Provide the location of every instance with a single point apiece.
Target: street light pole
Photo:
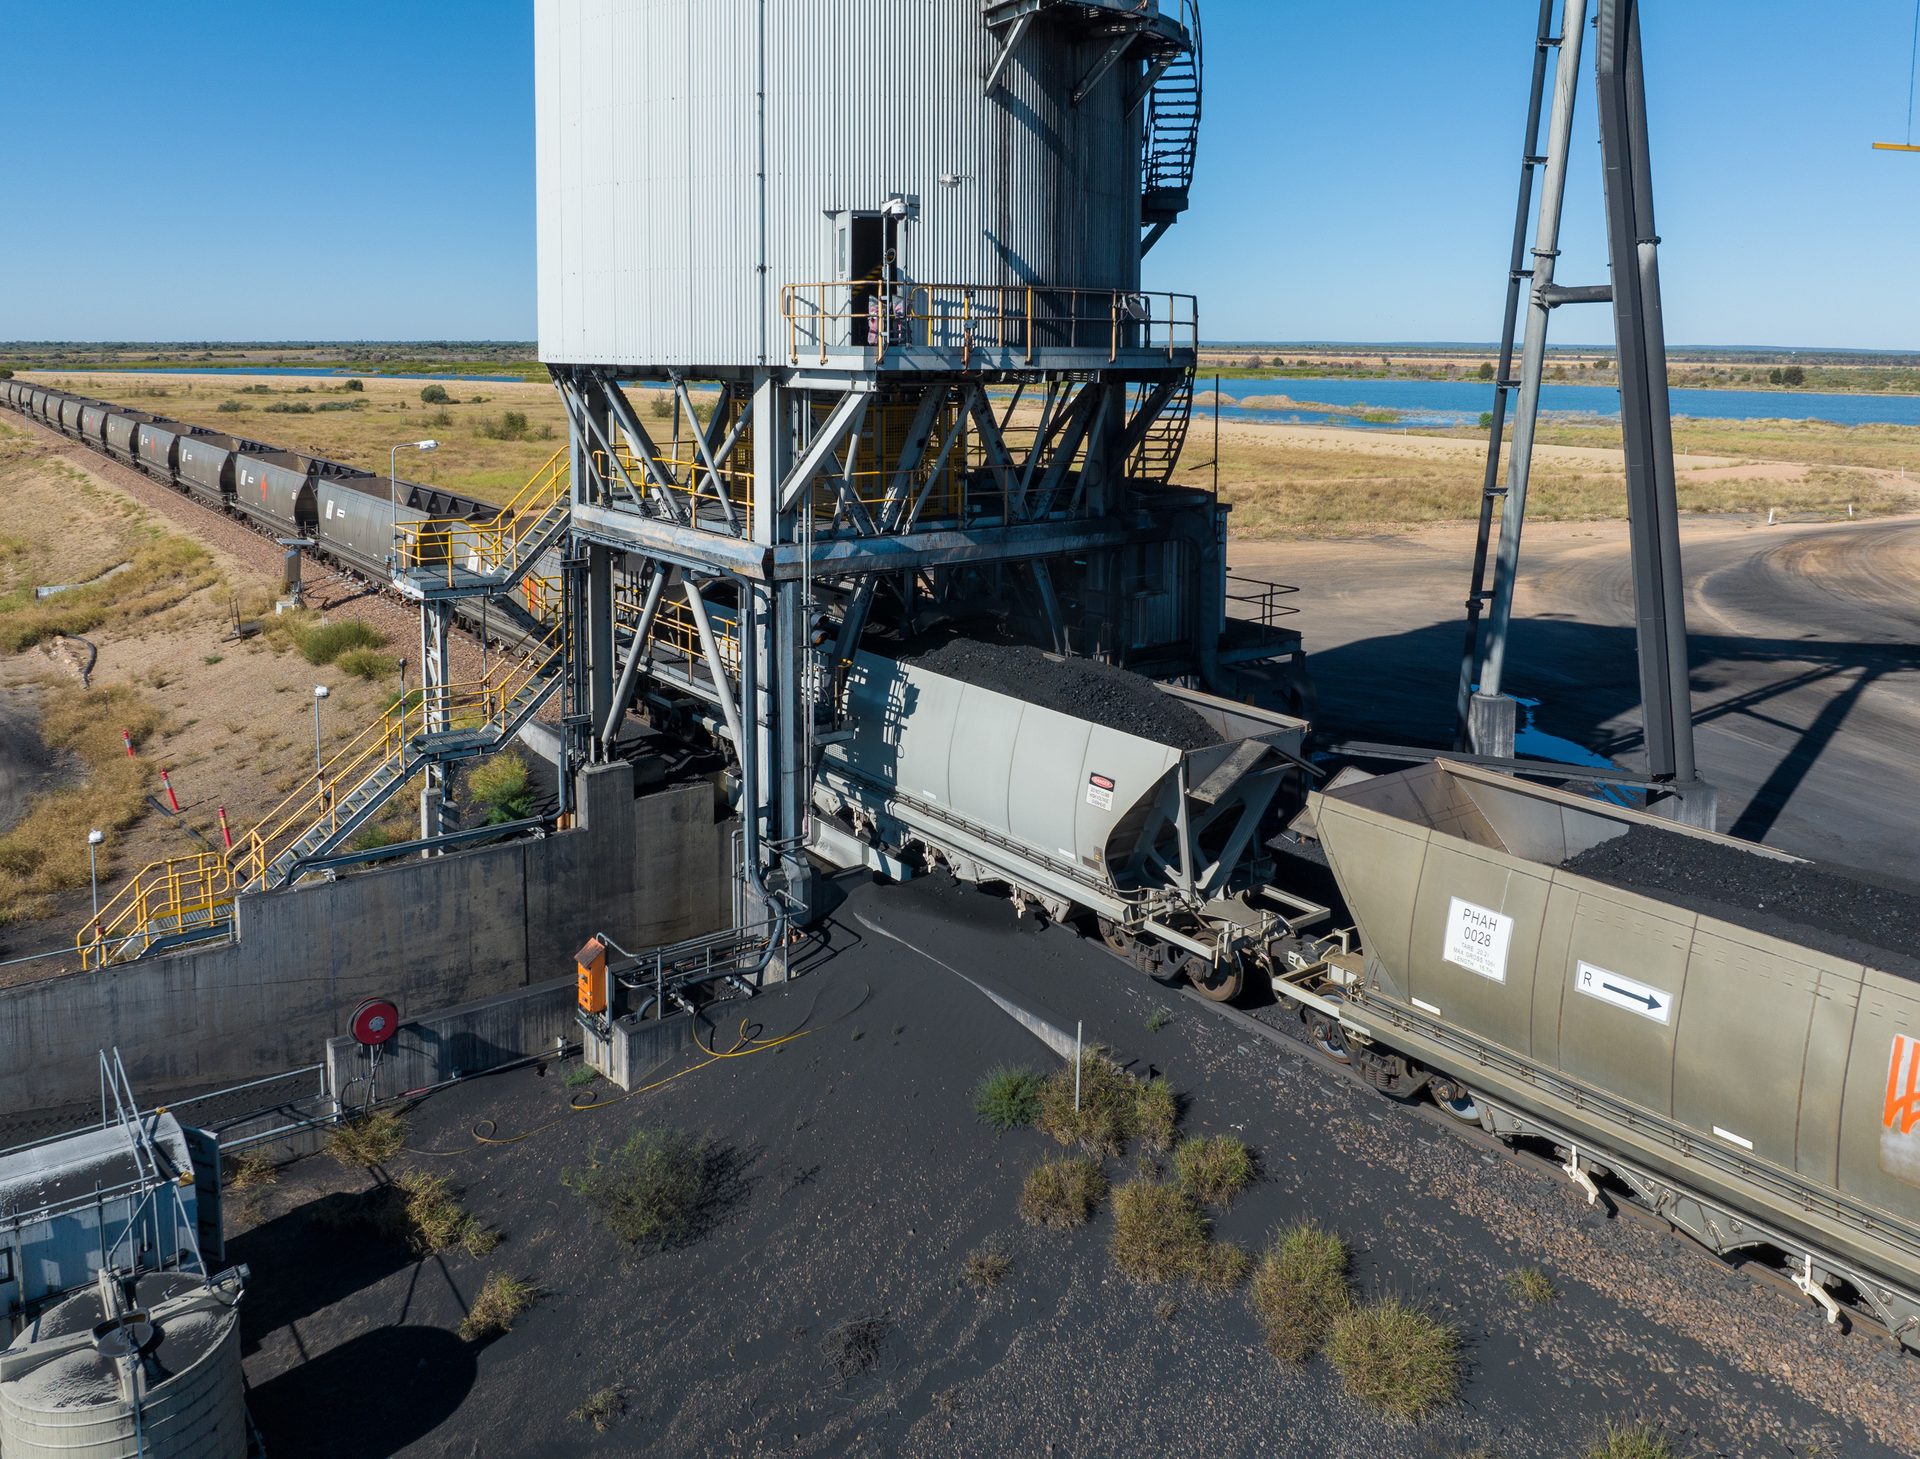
(94, 838)
(393, 481)
(319, 693)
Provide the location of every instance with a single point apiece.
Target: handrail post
(1029, 324)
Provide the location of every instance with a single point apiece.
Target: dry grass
(252, 1171)
(1114, 1107)
(1159, 1234)
(368, 1140)
(501, 785)
(1531, 1285)
(45, 853)
(1629, 1441)
(1062, 1193)
(1396, 1356)
(602, 1409)
(987, 1267)
(1221, 1268)
(164, 571)
(1300, 1289)
(424, 1213)
(502, 1298)
(1214, 1169)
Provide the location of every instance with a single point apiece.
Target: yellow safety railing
(876, 457)
(186, 892)
(450, 544)
(674, 628)
(1019, 319)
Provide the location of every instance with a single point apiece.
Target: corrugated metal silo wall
(650, 219)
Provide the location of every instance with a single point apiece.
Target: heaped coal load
(1842, 913)
(1096, 692)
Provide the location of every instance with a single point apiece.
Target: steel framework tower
(901, 370)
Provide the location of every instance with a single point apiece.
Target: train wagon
(155, 444)
(1697, 1017)
(206, 465)
(276, 487)
(93, 423)
(123, 434)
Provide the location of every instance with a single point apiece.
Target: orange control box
(591, 963)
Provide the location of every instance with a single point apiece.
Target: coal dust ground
(1081, 688)
(824, 1313)
(1845, 914)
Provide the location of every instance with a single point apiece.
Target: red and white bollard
(172, 799)
(226, 836)
(127, 739)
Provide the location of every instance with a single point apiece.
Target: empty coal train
(349, 514)
(1750, 1079)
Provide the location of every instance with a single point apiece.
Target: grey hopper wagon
(123, 434)
(93, 422)
(206, 464)
(1757, 1090)
(156, 446)
(276, 486)
(1161, 844)
(70, 409)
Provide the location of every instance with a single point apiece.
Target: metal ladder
(1172, 140)
(1159, 449)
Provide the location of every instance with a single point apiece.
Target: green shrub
(1007, 1098)
(655, 1192)
(1214, 1169)
(512, 426)
(1624, 1441)
(228, 407)
(601, 1409)
(354, 385)
(1395, 1356)
(502, 1298)
(1299, 1289)
(324, 643)
(1062, 1193)
(435, 395)
(1158, 1232)
(366, 663)
(288, 407)
(500, 785)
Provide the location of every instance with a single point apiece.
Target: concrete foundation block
(633, 1047)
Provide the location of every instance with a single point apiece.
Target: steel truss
(735, 546)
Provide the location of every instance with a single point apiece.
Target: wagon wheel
(1220, 982)
(1115, 936)
(1456, 1099)
(1326, 1035)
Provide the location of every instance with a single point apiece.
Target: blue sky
(365, 170)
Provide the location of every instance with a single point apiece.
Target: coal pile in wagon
(1844, 913)
(1087, 690)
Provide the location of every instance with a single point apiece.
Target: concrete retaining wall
(429, 934)
(467, 1040)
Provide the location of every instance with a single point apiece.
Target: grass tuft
(1156, 1115)
(252, 1171)
(1007, 1098)
(324, 643)
(1300, 1289)
(368, 1140)
(580, 1077)
(987, 1267)
(656, 1192)
(1396, 1356)
(502, 1298)
(1214, 1169)
(1158, 1232)
(1222, 1267)
(1629, 1441)
(1531, 1285)
(366, 663)
(499, 784)
(602, 1409)
(424, 1212)
(1062, 1193)
(1109, 1101)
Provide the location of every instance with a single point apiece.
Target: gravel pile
(1838, 912)
(1079, 687)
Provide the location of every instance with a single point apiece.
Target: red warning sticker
(1100, 792)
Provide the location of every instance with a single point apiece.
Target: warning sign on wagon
(1477, 939)
(1100, 791)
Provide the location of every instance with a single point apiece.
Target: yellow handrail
(495, 544)
(181, 887)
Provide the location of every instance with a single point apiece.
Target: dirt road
(1805, 650)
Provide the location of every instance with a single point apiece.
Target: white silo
(130, 1368)
(882, 260)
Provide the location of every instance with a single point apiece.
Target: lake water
(316, 371)
(1460, 402)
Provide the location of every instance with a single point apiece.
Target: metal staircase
(1172, 136)
(1153, 460)
(191, 898)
